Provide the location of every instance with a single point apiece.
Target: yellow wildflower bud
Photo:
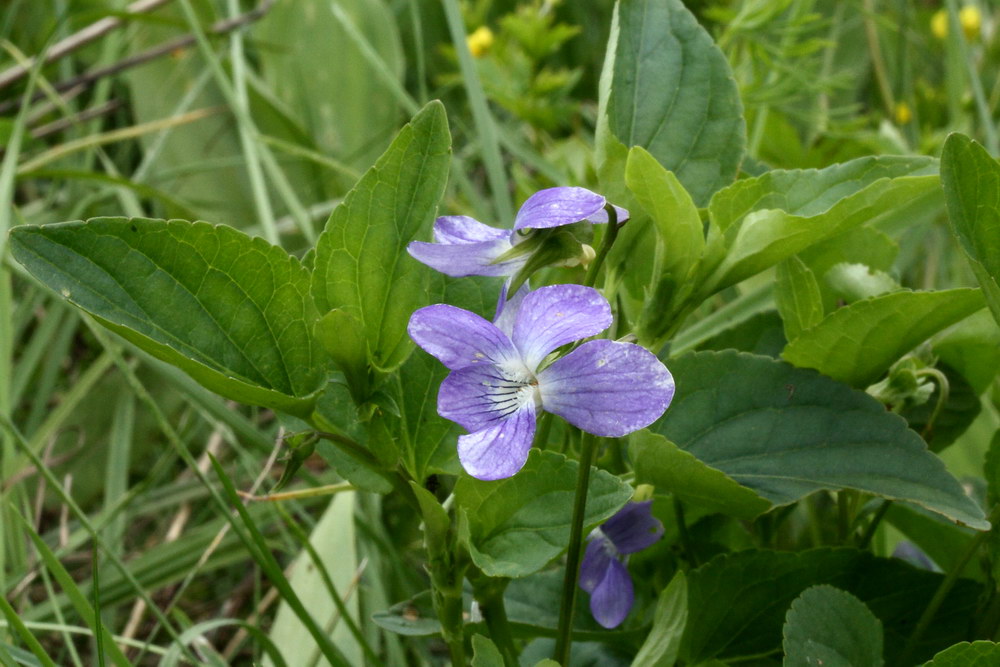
(903, 113)
(642, 492)
(939, 23)
(480, 41)
(971, 21)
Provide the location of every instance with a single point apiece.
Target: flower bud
(480, 41)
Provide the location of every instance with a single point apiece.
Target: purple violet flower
(603, 573)
(464, 246)
(499, 377)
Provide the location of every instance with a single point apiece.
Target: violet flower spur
(603, 573)
(499, 379)
(463, 246)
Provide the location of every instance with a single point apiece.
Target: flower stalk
(573, 555)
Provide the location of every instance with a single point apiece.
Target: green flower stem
(566, 609)
(609, 239)
(869, 533)
(446, 592)
(489, 594)
(943, 589)
(687, 544)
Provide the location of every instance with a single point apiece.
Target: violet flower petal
(633, 528)
(607, 388)
(499, 451)
(458, 338)
(595, 561)
(507, 308)
(478, 396)
(601, 217)
(612, 599)
(555, 315)
(466, 259)
(555, 207)
(459, 229)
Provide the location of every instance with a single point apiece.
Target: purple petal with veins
(466, 259)
(595, 561)
(556, 207)
(499, 451)
(459, 338)
(458, 229)
(555, 315)
(612, 598)
(633, 528)
(479, 396)
(607, 388)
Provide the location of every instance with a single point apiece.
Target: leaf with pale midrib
(786, 432)
(232, 311)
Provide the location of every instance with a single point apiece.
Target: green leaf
(676, 219)
(672, 93)
(231, 311)
(976, 654)
(485, 653)
(797, 295)
(664, 640)
(763, 333)
(342, 338)
(786, 432)
(858, 343)
(772, 217)
(361, 262)
(850, 282)
(515, 526)
(971, 181)
(972, 347)
(737, 602)
(659, 462)
(830, 627)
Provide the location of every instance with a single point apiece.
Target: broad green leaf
(672, 93)
(972, 347)
(763, 333)
(411, 618)
(232, 311)
(852, 282)
(737, 602)
(664, 640)
(787, 432)
(861, 245)
(858, 343)
(772, 217)
(971, 180)
(830, 627)
(352, 126)
(361, 262)
(676, 219)
(342, 338)
(976, 654)
(797, 295)
(485, 653)
(659, 462)
(515, 526)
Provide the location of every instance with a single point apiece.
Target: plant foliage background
(219, 445)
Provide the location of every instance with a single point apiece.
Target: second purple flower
(500, 378)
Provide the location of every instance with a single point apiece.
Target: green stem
(489, 594)
(685, 537)
(942, 592)
(568, 606)
(609, 239)
(869, 533)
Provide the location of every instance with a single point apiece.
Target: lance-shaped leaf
(515, 526)
(774, 216)
(964, 654)
(786, 432)
(858, 343)
(232, 311)
(971, 181)
(362, 266)
(797, 295)
(672, 93)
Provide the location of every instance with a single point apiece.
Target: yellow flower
(971, 21)
(480, 41)
(903, 113)
(969, 17)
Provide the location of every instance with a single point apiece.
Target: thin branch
(164, 49)
(78, 39)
